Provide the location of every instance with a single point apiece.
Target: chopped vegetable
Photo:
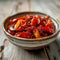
(31, 26)
(36, 33)
(18, 23)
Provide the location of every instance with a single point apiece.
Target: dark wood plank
(54, 50)
(29, 55)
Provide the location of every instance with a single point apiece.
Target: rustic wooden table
(11, 52)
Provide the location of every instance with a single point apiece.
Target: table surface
(10, 7)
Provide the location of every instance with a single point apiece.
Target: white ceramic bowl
(30, 43)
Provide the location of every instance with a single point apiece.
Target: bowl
(30, 43)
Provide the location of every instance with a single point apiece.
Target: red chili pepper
(34, 21)
(47, 29)
(43, 22)
(18, 34)
(49, 23)
(38, 16)
(13, 21)
(26, 35)
(23, 23)
(12, 32)
(29, 29)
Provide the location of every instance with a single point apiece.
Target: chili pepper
(18, 23)
(47, 29)
(49, 23)
(36, 33)
(38, 16)
(25, 35)
(43, 22)
(34, 21)
(12, 32)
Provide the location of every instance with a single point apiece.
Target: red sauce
(31, 26)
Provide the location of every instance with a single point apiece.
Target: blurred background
(46, 6)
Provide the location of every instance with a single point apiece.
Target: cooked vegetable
(31, 26)
(36, 33)
(18, 23)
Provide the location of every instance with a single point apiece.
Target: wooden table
(10, 7)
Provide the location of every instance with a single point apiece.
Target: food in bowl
(31, 26)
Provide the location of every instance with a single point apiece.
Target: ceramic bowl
(30, 43)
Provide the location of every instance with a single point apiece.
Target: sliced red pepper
(47, 29)
(43, 22)
(26, 35)
(49, 23)
(38, 16)
(30, 29)
(12, 32)
(14, 20)
(34, 21)
(23, 23)
(18, 34)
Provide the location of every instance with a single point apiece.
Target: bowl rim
(34, 39)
